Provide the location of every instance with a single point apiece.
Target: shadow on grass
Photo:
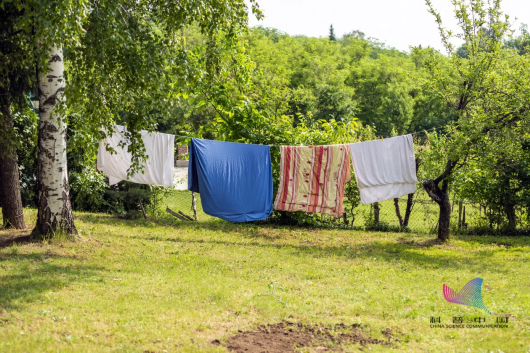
(11, 236)
(214, 224)
(426, 253)
(253, 230)
(388, 252)
(33, 277)
(22, 239)
(500, 241)
(211, 224)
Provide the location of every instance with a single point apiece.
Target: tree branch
(448, 169)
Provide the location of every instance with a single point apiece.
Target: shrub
(87, 189)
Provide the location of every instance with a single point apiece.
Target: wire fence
(418, 215)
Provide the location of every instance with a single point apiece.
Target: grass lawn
(140, 286)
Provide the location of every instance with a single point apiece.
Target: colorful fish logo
(470, 295)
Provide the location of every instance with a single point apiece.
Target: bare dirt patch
(288, 337)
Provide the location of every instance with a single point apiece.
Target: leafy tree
(462, 51)
(335, 102)
(124, 61)
(484, 93)
(431, 111)
(354, 48)
(521, 43)
(359, 77)
(500, 179)
(384, 89)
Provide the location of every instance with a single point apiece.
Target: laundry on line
(312, 179)
(235, 179)
(384, 169)
(157, 169)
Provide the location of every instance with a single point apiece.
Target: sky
(397, 23)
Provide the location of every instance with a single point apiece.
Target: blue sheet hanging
(234, 179)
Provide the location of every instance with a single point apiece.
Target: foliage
(499, 180)
(126, 199)
(352, 77)
(16, 73)
(385, 89)
(520, 43)
(25, 140)
(352, 198)
(87, 190)
(123, 60)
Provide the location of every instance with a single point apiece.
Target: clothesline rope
(376, 138)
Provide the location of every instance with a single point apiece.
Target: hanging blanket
(384, 169)
(158, 168)
(312, 179)
(234, 179)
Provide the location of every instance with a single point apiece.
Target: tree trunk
(510, 214)
(1, 192)
(398, 212)
(54, 207)
(376, 213)
(12, 212)
(445, 219)
(441, 197)
(408, 210)
(460, 205)
(410, 198)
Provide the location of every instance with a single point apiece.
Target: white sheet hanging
(384, 169)
(158, 169)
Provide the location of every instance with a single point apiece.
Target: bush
(86, 190)
(90, 192)
(126, 199)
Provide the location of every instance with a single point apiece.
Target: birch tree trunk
(54, 207)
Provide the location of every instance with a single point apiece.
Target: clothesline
(413, 133)
(376, 138)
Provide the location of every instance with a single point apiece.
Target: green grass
(140, 286)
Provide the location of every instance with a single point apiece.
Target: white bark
(55, 211)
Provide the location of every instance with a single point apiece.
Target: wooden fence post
(194, 206)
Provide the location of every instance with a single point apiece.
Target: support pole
(194, 206)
